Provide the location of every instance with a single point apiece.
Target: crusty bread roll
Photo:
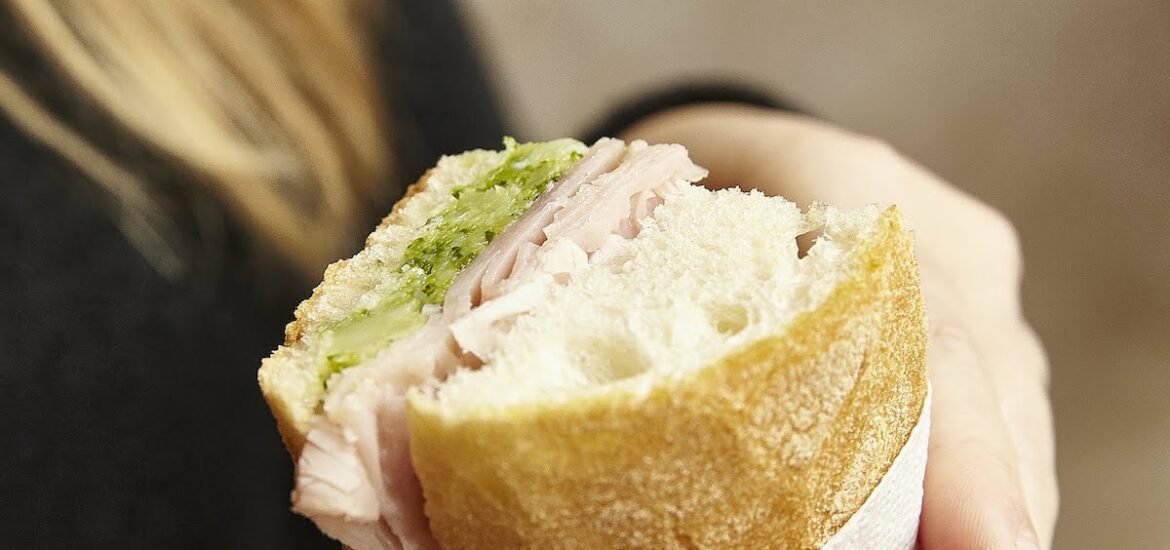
(699, 383)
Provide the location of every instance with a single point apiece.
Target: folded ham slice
(496, 260)
(354, 477)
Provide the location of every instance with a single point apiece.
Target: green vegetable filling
(451, 239)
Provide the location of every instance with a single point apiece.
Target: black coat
(129, 411)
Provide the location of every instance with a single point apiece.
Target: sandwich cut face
(478, 211)
(523, 279)
(709, 272)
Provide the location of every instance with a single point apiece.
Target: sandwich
(556, 345)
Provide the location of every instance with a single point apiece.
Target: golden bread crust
(775, 446)
(290, 409)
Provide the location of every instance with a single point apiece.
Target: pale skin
(990, 479)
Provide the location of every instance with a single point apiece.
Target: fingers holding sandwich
(973, 498)
(990, 477)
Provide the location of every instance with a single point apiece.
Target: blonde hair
(270, 104)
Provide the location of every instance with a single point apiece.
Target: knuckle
(982, 456)
(953, 337)
(1034, 358)
(1001, 235)
(992, 240)
(874, 148)
(954, 353)
(994, 258)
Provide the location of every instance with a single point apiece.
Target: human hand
(990, 478)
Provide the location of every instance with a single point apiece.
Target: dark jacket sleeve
(630, 111)
(128, 403)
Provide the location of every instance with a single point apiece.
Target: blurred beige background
(1057, 112)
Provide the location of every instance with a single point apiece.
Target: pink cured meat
(354, 477)
(495, 261)
(600, 206)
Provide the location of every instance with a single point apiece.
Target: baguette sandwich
(562, 346)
